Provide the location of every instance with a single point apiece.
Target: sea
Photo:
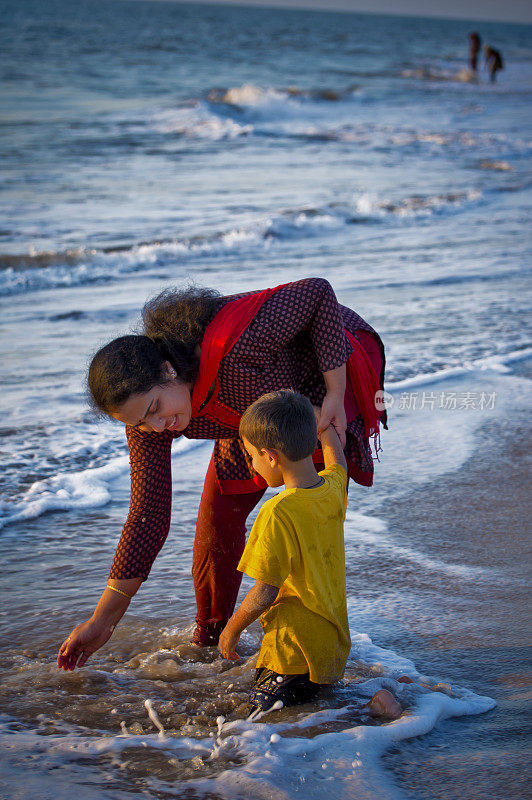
(154, 144)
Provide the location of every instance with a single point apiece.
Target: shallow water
(242, 148)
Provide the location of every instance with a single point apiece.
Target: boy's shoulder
(281, 504)
(336, 475)
(275, 505)
(335, 481)
(281, 508)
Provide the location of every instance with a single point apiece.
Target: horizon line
(290, 5)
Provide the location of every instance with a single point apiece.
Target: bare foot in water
(384, 704)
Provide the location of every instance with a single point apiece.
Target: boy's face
(266, 463)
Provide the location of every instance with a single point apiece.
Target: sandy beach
(482, 636)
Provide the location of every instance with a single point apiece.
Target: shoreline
(480, 639)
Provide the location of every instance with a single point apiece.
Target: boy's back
(297, 543)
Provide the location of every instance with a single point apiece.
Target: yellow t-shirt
(297, 543)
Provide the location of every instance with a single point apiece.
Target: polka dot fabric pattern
(148, 520)
(297, 334)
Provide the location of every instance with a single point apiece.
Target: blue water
(150, 143)
(144, 144)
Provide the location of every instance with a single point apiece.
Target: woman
(203, 359)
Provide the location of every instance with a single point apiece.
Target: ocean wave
(250, 96)
(66, 491)
(34, 271)
(497, 363)
(228, 113)
(308, 114)
(414, 205)
(91, 268)
(195, 120)
(102, 266)
(437, 74)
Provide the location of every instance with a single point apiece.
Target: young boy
(295, 553)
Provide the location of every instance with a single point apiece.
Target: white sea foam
(269, 760)
(350, 758)
(238, 111)
(368, 204)
(372, 533)
(386, 661)
(101, 266)
(197, 121)
(255, 96)
(85, 489)
(88, 488)
(154, 717)
(263, 104)
(303, 223)
(497, 363)
(421, 443)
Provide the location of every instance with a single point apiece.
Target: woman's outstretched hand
(84, 640)
(88, 637)
(333, 413)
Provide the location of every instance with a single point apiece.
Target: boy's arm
(256, 602)
(332, 448)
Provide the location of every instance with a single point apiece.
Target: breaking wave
(34, 271)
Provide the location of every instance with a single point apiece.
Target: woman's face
(165, 407)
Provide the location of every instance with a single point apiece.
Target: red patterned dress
(297, 334)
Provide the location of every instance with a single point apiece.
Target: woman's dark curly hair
(173, 324)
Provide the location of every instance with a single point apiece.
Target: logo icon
(383, 400)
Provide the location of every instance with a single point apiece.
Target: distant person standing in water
(493, 62)
(474, 48)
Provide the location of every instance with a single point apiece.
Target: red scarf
(220, 337)
(225, 330)
(362, 383)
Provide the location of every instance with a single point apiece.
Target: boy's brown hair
(283, 421)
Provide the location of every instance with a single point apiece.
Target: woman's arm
(309, 306)
(88, 637)
(306, 306)
(148, 521)
(143, 535)
(333, 406)
(332, 448)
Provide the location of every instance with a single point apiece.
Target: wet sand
(481, 637)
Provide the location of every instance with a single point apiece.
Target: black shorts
(269, 687)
